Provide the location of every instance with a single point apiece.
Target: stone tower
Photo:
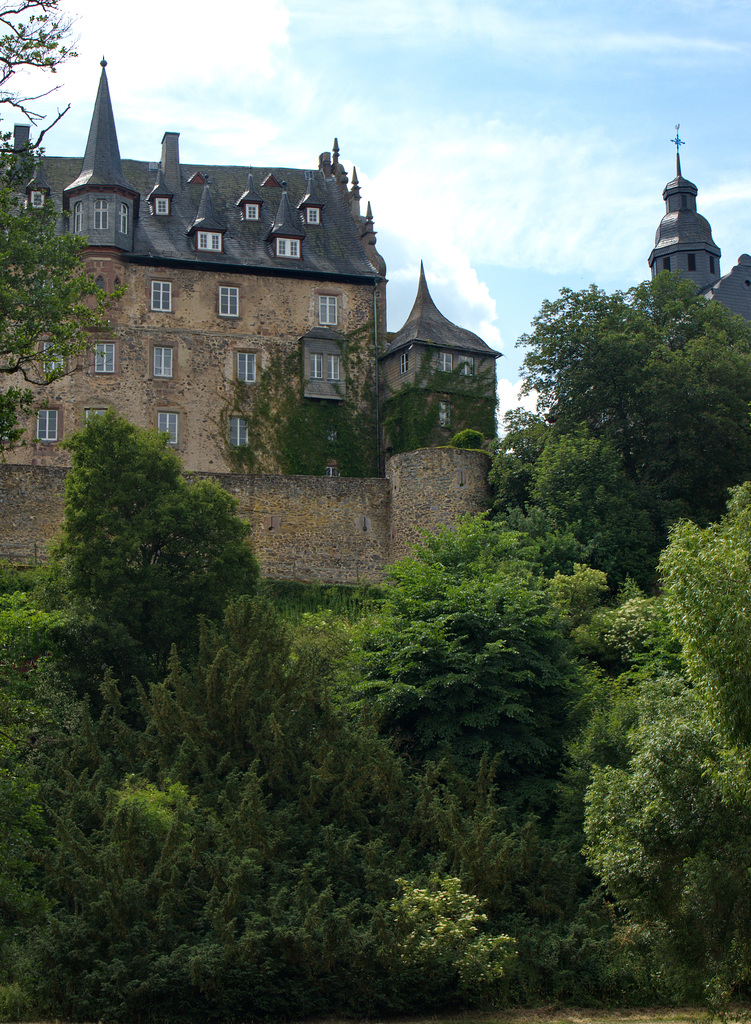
(684, 240)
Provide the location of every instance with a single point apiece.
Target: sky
(515, 148)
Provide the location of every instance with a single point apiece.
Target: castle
(252, 331)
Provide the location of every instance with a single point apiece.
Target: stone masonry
(308, 528)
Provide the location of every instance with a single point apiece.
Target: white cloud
(509, 398)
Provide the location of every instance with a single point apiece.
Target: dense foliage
(509, 775)
(643, 400)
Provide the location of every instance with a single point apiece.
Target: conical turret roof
(206, 218)
(101, 161)
(428, 325)
(286, 221)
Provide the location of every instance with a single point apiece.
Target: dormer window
(312, 215)
(123, 218)
(288, 247)
(210, 241)
(161, 206)
(36, 199)
(251, 211)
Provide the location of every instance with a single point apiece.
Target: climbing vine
(290, 434)
(411, 415)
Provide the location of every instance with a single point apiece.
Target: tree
(150, 550)
(35, 34)
(707, 579)
(48, 303)
(664, 375)
(466, 657)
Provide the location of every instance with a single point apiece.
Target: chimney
(171, 161)
(20, 136)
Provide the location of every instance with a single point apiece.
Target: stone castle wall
(308, 528)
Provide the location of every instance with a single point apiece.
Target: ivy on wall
(290, 434)
(410, 415)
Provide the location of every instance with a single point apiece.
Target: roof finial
(678, 142)
(103, 63)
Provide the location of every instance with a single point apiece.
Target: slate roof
(101, 161)
(426, 324)
(683, 226)
(330, 249)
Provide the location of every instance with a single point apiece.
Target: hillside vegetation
(516, 775)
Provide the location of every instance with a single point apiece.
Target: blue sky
(515, 148)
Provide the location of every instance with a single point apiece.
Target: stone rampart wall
(308, 528)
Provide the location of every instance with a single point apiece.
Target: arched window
(124, 218)
(78, 218)
(101, 214)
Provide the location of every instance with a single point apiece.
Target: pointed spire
(427, 324)
(312, 195)
(160, 188)
(249, 195)
(286, 222)
(39, 180)
(206, 218)
(101, 162)
(335, 152)
(678, 165)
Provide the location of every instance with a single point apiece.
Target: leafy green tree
(707, 579)
(467, 656)
(580, 484)
(669, 835)
(660, 372)
(150, 550)
(48, 303)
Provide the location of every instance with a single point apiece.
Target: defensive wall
(308, 528)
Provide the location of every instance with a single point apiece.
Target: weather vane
(677, 141)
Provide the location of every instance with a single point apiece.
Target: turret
(103, 203)
(684, 242)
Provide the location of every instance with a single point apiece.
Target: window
(123, 218)
(691, 261)
(467, 366)
(327, 309)
(161, 296)
(78, 218)
(332, 367)
(251, 211)
(161, 206)
(711, 265)
(316, 366)
(444, 414)
(52, 361)
(91, 413)
(162, 361)
(445, 361)
(332, 435)
(211, 240)
(229, 301)
(289, 247)
(313, 215)
(104, 357)
(666, 263)
(168, 422)
(36, 199)
(404, 362)
(331, 471)
(47, 425)
(101, 214)
(246, 367)
(238, 431)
